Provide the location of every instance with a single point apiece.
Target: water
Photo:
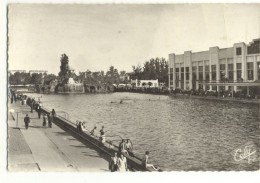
(181, 134)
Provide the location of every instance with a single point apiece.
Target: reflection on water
(181, 134)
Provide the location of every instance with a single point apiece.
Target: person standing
(49, 121)
(53, 113)
(121, 163)
(26, 121)
(39, 113)
(113, 163)
(44, 120)
(31, 107)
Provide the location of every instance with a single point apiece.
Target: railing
(223, 81)
(67, 116)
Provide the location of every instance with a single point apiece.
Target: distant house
(14, 71)
(145, 83)
(124, 76)
(38, 72)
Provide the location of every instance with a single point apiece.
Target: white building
(145, 83)
(14, 71)
(216, 69)
(38, 72)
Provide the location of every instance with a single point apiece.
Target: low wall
(71, 88)
(134, 163)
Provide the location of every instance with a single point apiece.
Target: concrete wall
(71, 88)
(203, 55)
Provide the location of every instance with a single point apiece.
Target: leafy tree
(137, 72)
(19, 78)
(112, 76)
(49, 77)
(64, 73)
(36, 78)
(153, 69)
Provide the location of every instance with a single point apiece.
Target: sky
(97, 36)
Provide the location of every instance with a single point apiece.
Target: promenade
(47, 149)
(245, 101)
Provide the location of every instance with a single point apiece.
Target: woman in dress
(121, 163)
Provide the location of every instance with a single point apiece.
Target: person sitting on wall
(129, 147)
(92, 132)
(53, 113)
(79, 127)
(82, 127)
(122, 147)
(146, 164)
(102, 135)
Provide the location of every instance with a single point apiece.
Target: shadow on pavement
(78, 146)
(37, 126)
(63, 133)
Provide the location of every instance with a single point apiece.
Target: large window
(187, 69)
(194, 77)
(200, 73)
(239, 72)
(222, 72)
(177, 78)
(182, 77)
(213, 73)
(238, 51)
(250, 71)
(258, 70)
(207, 73)
(171, 76)
(230, 72)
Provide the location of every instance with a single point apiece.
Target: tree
(64, 73)
(49, 77)
(137, 72)
(36, 79)
(112, 76)
(153, 69)
(19, 78)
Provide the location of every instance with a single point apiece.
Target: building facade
(38, 72)
(216, 69)
(14, 71)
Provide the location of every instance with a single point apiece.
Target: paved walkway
(47, 149)
(247, 101)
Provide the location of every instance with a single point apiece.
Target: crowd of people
(117, 163)
(34, 105)
(222, 93)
